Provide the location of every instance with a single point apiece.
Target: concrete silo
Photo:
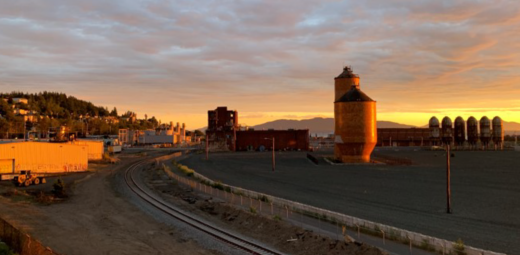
(498, 133)
(355, 120)
(460, 131)
(435, 131)
(473, 136)
(485, 131)
(447, 130)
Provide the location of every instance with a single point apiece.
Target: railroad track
(206, 227)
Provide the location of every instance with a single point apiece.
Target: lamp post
(207, 147)
(274, 163)
(447, 138)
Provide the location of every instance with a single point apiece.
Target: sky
(270, 59)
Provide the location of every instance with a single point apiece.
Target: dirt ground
(94, 219)
(249, 224)
(484, 188)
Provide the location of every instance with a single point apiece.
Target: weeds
(263, 198)
(5, 250)
(277, 218)
(252, 210)
(458, 247)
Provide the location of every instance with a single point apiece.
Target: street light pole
(274, 163)
(448, 179)
(207, 147)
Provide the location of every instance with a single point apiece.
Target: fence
(21, 242)
(278, 207)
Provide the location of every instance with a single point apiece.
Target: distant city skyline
(268, 60)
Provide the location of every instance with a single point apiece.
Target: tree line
(53, 109)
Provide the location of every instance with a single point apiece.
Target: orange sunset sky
(267, 59)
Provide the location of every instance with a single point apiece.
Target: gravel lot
(485, 190)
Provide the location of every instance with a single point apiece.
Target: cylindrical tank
(344, 82)
(435, 131)
(498, 131)
(355, 120)
(447, 130)
(485, 130)
(472, 131)
(460, 131)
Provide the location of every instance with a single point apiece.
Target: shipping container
(40, 157)
(95, 148)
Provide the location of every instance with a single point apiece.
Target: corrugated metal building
(95, 148)
(42, 157)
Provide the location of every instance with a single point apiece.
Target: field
(485, 190)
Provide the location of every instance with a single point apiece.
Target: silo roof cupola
(347, 73)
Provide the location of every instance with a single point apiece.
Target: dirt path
(95, 220)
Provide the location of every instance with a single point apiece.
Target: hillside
(45, 110)
(318, 125)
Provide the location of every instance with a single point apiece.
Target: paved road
(485, 187)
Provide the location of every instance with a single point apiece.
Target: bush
(252, 210)
(5, 250)
(218, 185)
(186, 170)
(458, 247)
(276, 217)
(263, 198)
(59, 188)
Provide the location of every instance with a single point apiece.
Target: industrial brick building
(224, 134)
(164, 134)
(403, 137)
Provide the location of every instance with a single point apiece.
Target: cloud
(263, 56)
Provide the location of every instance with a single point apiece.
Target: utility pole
(274, 163)
(207, 147)
(448, 179)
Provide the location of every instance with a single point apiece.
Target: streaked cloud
(178, 59)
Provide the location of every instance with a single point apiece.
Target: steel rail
(205, 227)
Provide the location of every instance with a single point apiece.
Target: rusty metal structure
(485, 131)
(447, 130)
(473, 136)
(498, 133)
(355, 131)
(460, 131)
(435, 131)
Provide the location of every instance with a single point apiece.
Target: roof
(355, 95)
(347, 73)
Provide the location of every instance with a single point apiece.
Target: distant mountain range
(326, 125)
(318, 125)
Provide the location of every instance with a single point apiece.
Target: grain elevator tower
(355, 131)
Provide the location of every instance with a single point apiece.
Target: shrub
(276, 217)
(186, 170)
(59, 188)
(425, 245)
(458, 247)
(252, 210)
(5, 250)
(263, 198)
(218, 185)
